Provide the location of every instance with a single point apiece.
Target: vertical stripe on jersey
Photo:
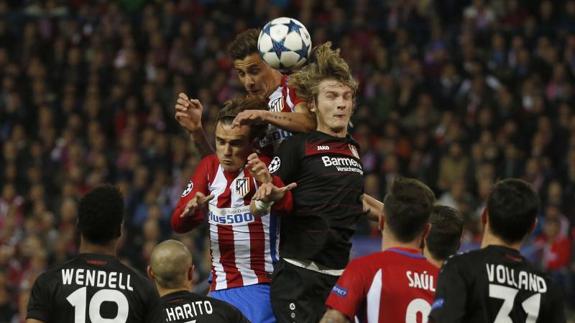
(288, 100)
(217, 187)
(225, 234)
(374, 298)
(274, 238)
(218, 281)
(267, 244)
(242, 238)
(257, 251)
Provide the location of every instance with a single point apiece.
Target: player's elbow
(177, 222)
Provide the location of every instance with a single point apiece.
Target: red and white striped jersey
(243, 247)
(283, 99)
(396, 285)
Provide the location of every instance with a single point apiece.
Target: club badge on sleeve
(188, 189)
(274, 165)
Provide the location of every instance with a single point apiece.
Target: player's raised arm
(258, 169)
(33, 321)
(188, 113)
(301, 120)
(268, 194)
(373, 207)
(189, 211)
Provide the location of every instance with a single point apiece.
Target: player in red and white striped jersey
(397, 284)
(243, 247)
(286, 113)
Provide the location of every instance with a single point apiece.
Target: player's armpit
(334, 316)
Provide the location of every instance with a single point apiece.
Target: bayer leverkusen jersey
(396, 285)
(185, 307)
(327, 200)
(495, 284)
(93, 288)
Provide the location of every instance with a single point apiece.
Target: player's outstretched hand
(248, 117)
(189, 112)
(268, 192)
(258, 169)
(198, 201)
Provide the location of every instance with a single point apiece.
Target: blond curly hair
(326, 63)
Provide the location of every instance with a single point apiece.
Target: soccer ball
(284, 43)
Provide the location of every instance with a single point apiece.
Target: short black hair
(100, 214)
(445, 235)
(238, 104)
(245, 44)
(407, 206)
(512, 207)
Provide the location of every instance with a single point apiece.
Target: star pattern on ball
(292, 26)
(303, 51)
(278, 47)
(267, 28)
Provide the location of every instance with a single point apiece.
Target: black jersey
(183, 307)
(327, 199)
(93, 288)
(495, 284)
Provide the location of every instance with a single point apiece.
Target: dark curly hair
(100, 215)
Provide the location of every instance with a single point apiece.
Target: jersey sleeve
(350, 290)
(451, 295)
(286, 163)
(39, 304)
(198, 183)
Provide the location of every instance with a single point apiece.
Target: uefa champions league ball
(284, 43)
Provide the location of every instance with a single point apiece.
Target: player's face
(233, 146)
(257, 77)
(333, 107)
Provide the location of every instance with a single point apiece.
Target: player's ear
(150, 272)
(313, 105)
(426, 231)
(484, 217)
(381, 221)
(191, 272)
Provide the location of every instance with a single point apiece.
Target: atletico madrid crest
(242, 186)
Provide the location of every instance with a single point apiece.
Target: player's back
(183, 307)
(495, 284)
(396, 285)
(93, 288)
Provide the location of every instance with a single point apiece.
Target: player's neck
(331, 132)
(166, 291)
(429, 257)
(489, 239)
(388, 242)
(108, 249)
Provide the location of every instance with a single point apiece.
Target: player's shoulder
(466, 259)
(210, 161)
(368, 262)
(297, 138)
(53, 272)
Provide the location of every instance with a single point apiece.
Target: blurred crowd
(456, 93)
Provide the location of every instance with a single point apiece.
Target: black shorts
(298, 294)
